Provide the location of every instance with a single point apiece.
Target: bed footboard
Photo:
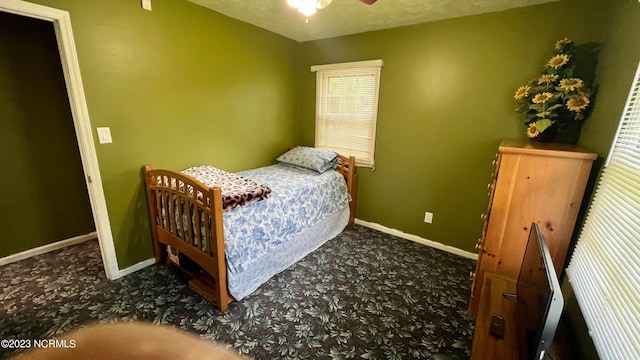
(187, 216)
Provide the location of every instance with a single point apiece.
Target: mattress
(304, 210)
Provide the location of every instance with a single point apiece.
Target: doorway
(83, 131)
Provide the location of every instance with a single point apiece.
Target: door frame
(82, 124)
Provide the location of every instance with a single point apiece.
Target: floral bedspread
(299, 198)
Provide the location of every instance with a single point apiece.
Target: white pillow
(319, 160)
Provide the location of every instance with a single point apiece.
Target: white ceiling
(344, 17)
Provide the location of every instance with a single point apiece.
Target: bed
(229, 245)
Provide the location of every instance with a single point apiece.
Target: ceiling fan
(309, 7)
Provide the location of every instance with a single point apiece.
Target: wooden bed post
(158, 250)
(224, 298)
(347, 167)
(354, 200)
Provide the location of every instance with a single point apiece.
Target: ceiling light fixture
(308, 7)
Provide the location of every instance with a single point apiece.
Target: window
(605, 268)
(347, 108)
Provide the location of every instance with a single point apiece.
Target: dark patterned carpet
(364, 294)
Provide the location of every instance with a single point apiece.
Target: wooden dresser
(532, 182)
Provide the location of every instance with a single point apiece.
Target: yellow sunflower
(571, 84)
(547, 79)
(522, 92)
(578, 104)
(541, 98)
(561, 43)
(558, 61)
(532, 131)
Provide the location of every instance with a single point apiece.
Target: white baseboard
(418, 239)
(133, 268)
(68, 242)
(47, 248)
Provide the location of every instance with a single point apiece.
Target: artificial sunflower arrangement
(554, 99)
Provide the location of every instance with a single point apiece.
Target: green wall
(446, 101)
(42, 190)
(618, 60)
(178, 86)
(617, 65)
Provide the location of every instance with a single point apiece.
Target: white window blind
(347, 108)
(605, 268)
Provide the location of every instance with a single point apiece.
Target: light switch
(104, 135)
(146, 4)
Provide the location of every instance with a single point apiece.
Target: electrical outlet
(428, 217)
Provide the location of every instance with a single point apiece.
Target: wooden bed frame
(207, 268)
